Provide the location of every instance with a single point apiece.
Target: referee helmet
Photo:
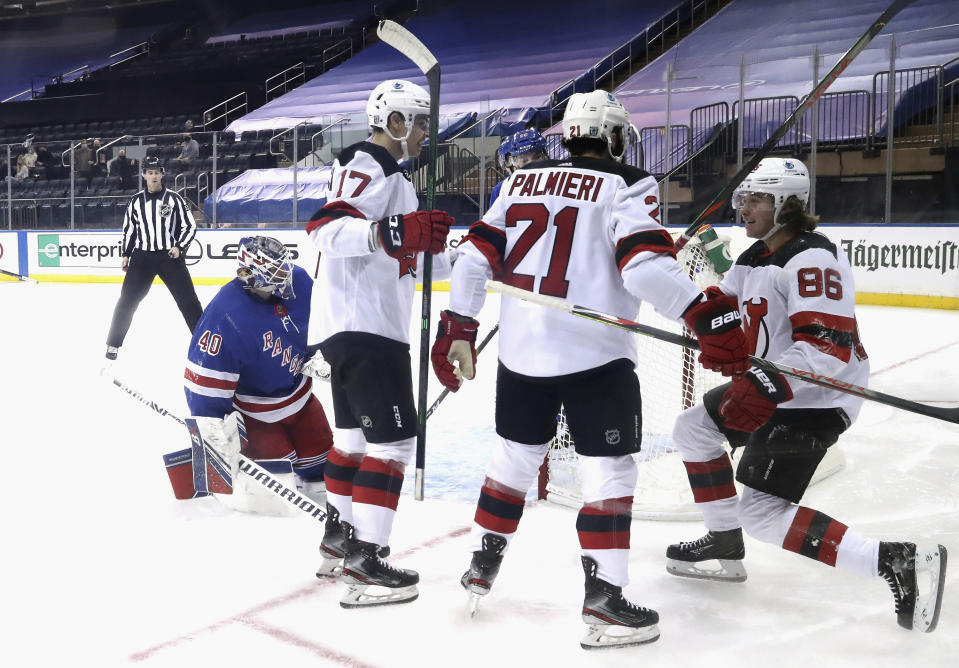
(152, 162)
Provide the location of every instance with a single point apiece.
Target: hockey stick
(20, 277)
(947, 414)
(439, 399)
(720, 198)
(406, 43)
(247, 465)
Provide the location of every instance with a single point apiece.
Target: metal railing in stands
(320, 136)
(287, 81)
(918, 111)
(135, 51)
(762, 116)
(618, 64)
(950, 92)
(235, 106)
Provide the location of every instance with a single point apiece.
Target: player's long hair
(793, 216)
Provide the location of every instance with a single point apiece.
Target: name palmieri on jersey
(558, 182)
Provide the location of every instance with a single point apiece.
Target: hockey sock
(376, 493)
(340, 470)
(603, 528)
(714, 492)
(311, 468)
(815, 535)
(498, 510)
(858, 553)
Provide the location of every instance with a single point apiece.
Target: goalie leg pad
(216, 446)
(251, 496)
(179, 467)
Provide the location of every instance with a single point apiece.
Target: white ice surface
(103, 567)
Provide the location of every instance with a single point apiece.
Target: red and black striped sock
(378, 483)
(712, 480)
(604, 525)
(814, 535)
(340, 471)
(498, 510)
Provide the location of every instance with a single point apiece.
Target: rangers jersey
(798, 309)
(364, 290)
(246, 354)
(585, 230)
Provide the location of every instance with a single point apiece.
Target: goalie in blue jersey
(247, 354)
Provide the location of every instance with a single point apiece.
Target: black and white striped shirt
(157, 221)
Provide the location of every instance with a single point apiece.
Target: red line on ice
(247, 617)
(912, 359)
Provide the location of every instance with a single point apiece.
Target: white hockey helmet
(781, 178)
(598, 115)
(400, 96)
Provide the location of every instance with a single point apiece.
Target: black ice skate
(613, 621)
(716, 556)
(483, 569)
(370, 580)
(916, 577)
(333, 546)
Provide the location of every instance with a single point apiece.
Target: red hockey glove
(717, 325)
(414, 233)
(752, 399)
(455, 342)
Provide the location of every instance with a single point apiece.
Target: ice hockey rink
(103, 567)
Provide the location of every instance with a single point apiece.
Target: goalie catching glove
(455, 342)
(752, 399)
(718, 326)
(420, 231)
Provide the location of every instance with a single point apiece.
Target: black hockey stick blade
(946, 414)
(445, 392)
(721, 197)
(407, 43)
(19, 277)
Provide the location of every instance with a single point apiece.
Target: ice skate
(370, 580)
(716, 556)
(333, 546)
(483, 569)
(916, 577)
(612, 620)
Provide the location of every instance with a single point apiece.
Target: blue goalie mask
(265, 264)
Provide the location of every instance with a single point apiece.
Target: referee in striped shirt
(157, 229)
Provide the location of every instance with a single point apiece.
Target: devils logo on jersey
(755, 312)
(408, 265)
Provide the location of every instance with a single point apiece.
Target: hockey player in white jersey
(585, 229)
(371, 239)
(798, 304)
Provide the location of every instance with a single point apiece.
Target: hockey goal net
(671, 380)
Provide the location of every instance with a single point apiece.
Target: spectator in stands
(96, 151)
(44, 161)
(83, 160)
(23, 171)
(100, 166)
(188, 125)
(190, 150)
(125, 168)
(30, 158)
